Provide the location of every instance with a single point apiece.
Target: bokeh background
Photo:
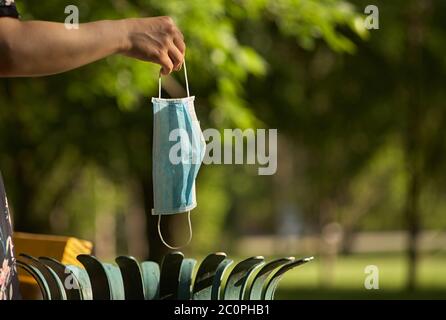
(361, 130)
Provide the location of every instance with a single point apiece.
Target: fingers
(166, 64)
(181, 47)
(174, 46)
(157, 40)
(178, 41)
(170, 59)
(176, 57)
(175, 53)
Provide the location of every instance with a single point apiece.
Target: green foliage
(341, 105)
(52, 127)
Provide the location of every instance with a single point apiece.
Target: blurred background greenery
(361, 158)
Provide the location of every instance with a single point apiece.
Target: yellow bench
(64, 249)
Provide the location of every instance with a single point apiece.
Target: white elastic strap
(185, 77)
(164, 241)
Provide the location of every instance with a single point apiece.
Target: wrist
(124, 43)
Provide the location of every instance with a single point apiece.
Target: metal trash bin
(217, 278)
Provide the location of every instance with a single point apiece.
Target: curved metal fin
(217, 290)
(254, 292)
(100, 286)
(271, 286)
(54, 284)
(115, 281)
(185, 280)
(69, 281)
(170, 271)
(132, 277)
(83, 279)
(205, 276)
(38, 276)
(237, 280)
(151, 278)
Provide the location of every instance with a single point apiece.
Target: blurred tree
(344, 111)
(406, 52)
(52, 127)
(362, 121)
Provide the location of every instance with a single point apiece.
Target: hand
(156, 40)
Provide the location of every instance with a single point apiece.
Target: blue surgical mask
(178, 151)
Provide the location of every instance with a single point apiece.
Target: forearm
(37, 48)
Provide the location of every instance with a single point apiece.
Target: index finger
(178, 41)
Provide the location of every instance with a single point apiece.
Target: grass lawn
(311, 281)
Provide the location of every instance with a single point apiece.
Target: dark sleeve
(8, 9)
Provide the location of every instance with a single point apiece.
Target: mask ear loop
(185, 78)
(164, 241)
(188, 213)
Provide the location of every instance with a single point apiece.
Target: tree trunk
(413, 228)
(135, 226)
(413, 139)
(21, 192)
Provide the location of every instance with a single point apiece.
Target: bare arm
(36, 48)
